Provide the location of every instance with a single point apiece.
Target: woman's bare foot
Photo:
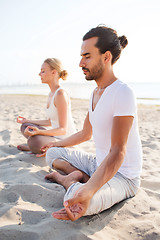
(65, 180)
(23, 147)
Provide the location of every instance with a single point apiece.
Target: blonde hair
(55, 63)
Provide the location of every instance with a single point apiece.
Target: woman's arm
(61, 102)
(84, 135)
(46, 122)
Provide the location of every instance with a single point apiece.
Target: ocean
(146, 92)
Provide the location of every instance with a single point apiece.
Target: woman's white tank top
(52, 114)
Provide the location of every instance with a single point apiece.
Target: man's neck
(106, 80)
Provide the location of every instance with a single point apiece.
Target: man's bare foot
(23, 147)
(65, 180)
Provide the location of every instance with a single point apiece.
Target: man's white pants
(114, 191)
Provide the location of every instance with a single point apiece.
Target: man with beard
(94, 184)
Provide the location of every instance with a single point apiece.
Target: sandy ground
(27, 200)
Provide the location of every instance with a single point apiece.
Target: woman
(58, 111)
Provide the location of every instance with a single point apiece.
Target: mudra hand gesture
(74, 207)
(45, 148)
(21, 119)
(31, 131)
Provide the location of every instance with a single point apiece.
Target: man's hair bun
(123, 41)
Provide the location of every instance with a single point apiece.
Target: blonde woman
(58, 111)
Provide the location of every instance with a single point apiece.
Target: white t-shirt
(52, 114)
(117, 100)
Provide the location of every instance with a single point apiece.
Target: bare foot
(65, 180)
(23, 147)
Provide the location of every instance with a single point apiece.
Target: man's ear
(107, 56)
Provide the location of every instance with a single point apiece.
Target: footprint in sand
(5, 134)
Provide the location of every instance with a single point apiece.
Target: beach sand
(27, 200)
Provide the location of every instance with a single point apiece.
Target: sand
(27, 200)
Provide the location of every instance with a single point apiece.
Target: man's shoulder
(124, 87)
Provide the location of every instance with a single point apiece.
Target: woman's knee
(23, 127)
(34, 144)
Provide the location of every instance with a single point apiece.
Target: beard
(96, 72)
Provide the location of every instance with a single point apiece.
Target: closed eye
(86, 55)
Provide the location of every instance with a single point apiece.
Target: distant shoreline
(143, 101)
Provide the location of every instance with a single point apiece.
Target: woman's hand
(31, 131)
(74, 207)
(21, 120)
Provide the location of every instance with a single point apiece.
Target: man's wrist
(57, 144)
(90, 191)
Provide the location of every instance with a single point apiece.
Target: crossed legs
(71, 176)
(77, 166)
(34, 143)
(112, 192)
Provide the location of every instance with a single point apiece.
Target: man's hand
(74, 207)
(45, 148)
(41, 154)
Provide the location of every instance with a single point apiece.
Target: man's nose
(82, 64)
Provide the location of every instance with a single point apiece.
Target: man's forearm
(73, 140)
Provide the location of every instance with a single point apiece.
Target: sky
(33, 30)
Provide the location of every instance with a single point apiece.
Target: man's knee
(57, 164)
(52, 154)
(72, 190)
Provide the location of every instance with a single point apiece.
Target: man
(95, 184)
